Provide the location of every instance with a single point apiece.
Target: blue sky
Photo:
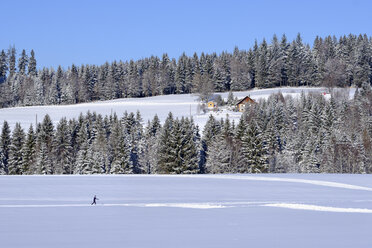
(93, 32)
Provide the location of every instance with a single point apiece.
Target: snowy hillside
(280, 210)
(179, 105)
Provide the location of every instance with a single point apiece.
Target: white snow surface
(179, 105)
(319, 208)
(269, 210)
(279, 179)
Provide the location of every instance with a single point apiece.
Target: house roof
(245, 98)
(212, 97)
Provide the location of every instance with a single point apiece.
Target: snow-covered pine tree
(32, 71)
(219, 84)
(135, 138)
(312, 123)
(189, 151)
(362, 70)
(83, 161)
(39, 91)
(82, 164)
(226, 70)
(164, 153)
(29, 153)
(99, 147)
(262, 66)
(43, 160)
(122, 163)
(62, 148)
(240, 129)
(46, 136)
(3, 66)
(219, 156)
(22, 63)
(155, 126)
(271, 139)
(238, 158)
(367, 143)
(276, 61)
(309, 162)
(12, 60)
(147, 155)
(98, 161)
(5, 141)
(211, 129)
(175, 148)
(230, 99)
(15, 151)
(254, 150)
(227, 130)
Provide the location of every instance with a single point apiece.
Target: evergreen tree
(189, 150)
(32, 65)
(262, 66)
(83, 165)
(5, 141)
(12, 60)
(3, 66)
(211, 129)
(56, 88)
(219, 83)
(29, 152)
(122, 163)
(230, 99)
(284, 52)
(164, 154)
(45, 139)
(240, 129)
(99, 147)
(22, 63)
(178, 152)
(62, 148)
(219, 156)
(147, 158)
(330, 62)
(15, 151)
(43, 160)
(276, 64)
(254, 150)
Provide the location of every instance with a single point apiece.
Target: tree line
(329, 62)
(309, 134)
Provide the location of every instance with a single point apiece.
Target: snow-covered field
(179, 105)
(282, 210)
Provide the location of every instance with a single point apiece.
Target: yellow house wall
(241, 107)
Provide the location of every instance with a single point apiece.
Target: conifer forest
(309, 134)
(330, 62)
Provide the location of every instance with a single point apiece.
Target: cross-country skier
(94, 200)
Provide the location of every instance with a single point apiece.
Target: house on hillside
(243, 102)
(212, 103)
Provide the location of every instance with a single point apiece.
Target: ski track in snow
(144, 205)
(319, 208)
(279, 179)
(216, 205)
(185, 205)
(208, 205)
(247, 177)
